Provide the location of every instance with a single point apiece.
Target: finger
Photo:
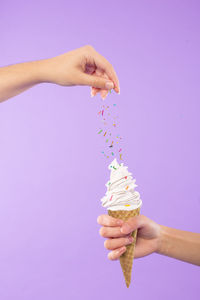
(104, 94)
(111, 232)
(102, 63)
(116, 253)
(112, 244)
(106, 220)
(133, 224)
(95, 81)
(94, 91)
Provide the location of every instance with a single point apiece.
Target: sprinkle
(114, 168)
(112, 153)
(106, 140)
(114, 104)
(107, 156)
(110, 91)
(125, 177)
(102, 112)
(120, 150)
(127, 187)
(100, 131)
(127, 205)
(102, 152)
(120, 156)
(109, 183)
(111, 197)
(105, 133)
(99, 112)
(111, 145)
(114, 125)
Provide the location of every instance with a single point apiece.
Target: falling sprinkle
(114, 104)
(102, 152)
(107, 156)
(114, 125)
(99, 112)
(106, 140)
(112, 153)
(100, 131)
(120, 156)
(120, 150)
(102, 112)
(105, 133)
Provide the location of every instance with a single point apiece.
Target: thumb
(96, 81)
(132, 224)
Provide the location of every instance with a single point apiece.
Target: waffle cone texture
(126, 260)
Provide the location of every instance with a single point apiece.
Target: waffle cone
(126, 260)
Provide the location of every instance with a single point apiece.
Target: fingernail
(121, 250)
(109, 85)
(129, 240)
(92, 94)
(125, 228)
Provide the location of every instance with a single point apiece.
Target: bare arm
(17, 78)
(151, 237)
(83, 66)
(179, 244)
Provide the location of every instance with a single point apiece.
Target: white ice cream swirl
(121, 194)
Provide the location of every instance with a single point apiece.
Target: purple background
(52, 174)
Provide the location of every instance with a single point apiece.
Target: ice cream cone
(126, 260)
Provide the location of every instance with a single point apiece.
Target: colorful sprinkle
(114, 104)
(120, 150)
(105, 133)
(112, 153)
(100, 131)
(127, 205)
(107, 140)
(102, 112)
(120, 156)
(127, 187)
(125, 177)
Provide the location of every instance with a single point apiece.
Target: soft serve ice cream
(121, 194)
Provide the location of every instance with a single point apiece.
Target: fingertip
(98, 220)
(125, 229)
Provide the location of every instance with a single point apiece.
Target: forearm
(182, 245)
(17, 78)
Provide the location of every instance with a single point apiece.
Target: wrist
(161, 239)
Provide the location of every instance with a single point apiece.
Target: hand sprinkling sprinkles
(110, 122)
